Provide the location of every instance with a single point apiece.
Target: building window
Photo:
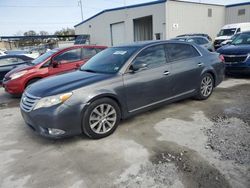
(241, 12)
(209, 12)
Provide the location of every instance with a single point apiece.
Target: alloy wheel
(206, 86)
(102, 118)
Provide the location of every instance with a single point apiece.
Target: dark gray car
(118, 83)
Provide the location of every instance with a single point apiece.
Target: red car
(52, 62)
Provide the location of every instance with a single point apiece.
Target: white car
(228, 31)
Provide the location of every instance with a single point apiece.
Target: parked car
(228, 41)
(228, 31)
(197, 34)
(117, 83)
(237, 55)
(53, 62)
(202, 41)
(23, 52)
(2, 52)
(9, 62)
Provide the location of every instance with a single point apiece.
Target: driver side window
(152, 57)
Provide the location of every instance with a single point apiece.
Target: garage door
(117, 33)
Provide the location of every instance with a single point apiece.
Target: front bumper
(240, 68)
(62, 117)
(13, 87)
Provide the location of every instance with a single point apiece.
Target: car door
(7, 64)
(151, 84)
(186, 67)
(66, 61)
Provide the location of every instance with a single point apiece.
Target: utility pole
(80, 4)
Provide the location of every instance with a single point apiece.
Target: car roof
(15, 55)
(79, 46)
(143, 44)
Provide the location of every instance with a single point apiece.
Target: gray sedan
(117, 83)
(201, 41)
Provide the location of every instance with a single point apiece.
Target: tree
(43, 33)
(30, 33)
(65, 31)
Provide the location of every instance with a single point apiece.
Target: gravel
(231, 138)
(159, 175)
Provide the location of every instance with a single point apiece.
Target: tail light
(221, 57)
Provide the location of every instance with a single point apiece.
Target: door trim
(161, 101)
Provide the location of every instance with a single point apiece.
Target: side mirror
(138, 65)
(229, 42)
(55, 64)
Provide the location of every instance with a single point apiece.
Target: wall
(99, 27)
(233, 17)
(184, 17)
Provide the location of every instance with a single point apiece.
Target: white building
(162, 19)
(238, 13)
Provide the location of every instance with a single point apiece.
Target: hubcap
(102, 118)
(206, 86)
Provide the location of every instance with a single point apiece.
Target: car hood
(20, 67)
(234, 49)
(65, 83)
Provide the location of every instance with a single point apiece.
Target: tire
(96, 122)
(32, 81)
(206, 87)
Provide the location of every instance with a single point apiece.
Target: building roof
(238, 4)
(153, 3)
(121, 8)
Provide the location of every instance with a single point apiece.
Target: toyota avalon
(117, 83)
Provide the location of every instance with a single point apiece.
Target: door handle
(166, 73)
(200, 64)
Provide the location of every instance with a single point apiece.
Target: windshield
(227, 32)
(242, 39)
(109, 61)
(43, 57)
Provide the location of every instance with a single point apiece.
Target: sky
(18, 16)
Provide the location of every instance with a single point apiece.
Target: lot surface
(186, 144)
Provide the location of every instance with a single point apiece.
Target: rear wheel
(101, 118)
(206, 87)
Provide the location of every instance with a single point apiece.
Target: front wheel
(101, 118)
(206, 87)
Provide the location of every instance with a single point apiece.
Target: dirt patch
(231, 138)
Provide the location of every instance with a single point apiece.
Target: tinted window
(69, 56)
(180, 51)
(152, 56)
(88, 52)
(110, 60)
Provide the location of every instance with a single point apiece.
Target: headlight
(17, 75)
(52, 100)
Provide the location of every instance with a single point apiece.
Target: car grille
(234, 58)
(28, 102)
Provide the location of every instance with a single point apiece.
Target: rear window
(178, 52)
